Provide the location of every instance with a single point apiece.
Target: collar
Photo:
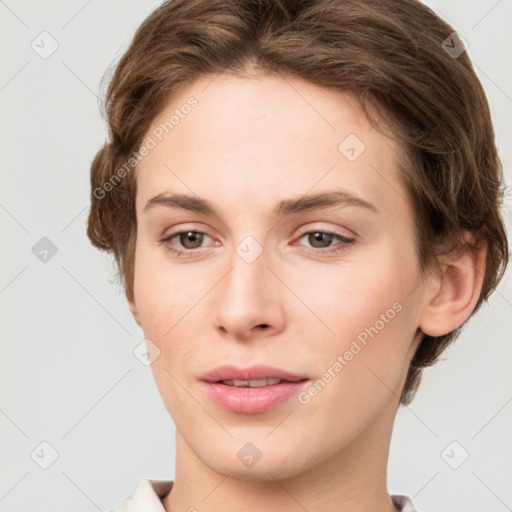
(149, 495)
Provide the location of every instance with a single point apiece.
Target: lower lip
(249, 400)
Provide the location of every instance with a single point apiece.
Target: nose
(250, 302)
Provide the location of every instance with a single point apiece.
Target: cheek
(175, 304)
(163, 292)
(351, 297)
(168, 303)
(371, 316)
(362, 370)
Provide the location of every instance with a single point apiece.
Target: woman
(302, 199)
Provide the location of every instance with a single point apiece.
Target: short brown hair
(393, 55)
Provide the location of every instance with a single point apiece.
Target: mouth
(251, 390)
(251, 383)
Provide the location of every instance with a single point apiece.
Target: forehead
(265, 136)
(257, 106)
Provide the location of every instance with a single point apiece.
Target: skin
(248, 144)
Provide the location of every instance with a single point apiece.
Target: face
(295, 250)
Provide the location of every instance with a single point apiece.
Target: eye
(321, 241)
(189, 240)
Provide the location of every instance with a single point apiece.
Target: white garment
(149, 494)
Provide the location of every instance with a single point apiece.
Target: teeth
(251, 383)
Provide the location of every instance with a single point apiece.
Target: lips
(251, 390)
(228, 373)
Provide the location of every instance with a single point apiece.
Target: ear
(453, 292)
(133, 306)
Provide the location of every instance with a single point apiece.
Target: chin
(264, 472)
(270, 461)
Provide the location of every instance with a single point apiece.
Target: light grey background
(68, 373)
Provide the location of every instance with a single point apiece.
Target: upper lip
(230, 372)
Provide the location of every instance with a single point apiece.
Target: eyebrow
(286, 207)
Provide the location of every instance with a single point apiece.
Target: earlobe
(455, 290)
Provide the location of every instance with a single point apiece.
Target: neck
(352, 480)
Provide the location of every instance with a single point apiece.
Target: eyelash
(344, 241)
